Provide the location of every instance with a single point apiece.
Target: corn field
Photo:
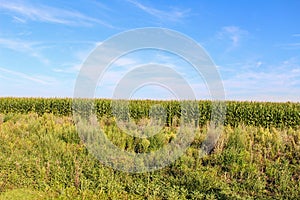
(264, 114)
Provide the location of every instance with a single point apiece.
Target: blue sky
(254, 44)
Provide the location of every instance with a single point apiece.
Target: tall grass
(42, 157)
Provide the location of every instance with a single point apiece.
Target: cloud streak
(278, 83)
(172, 15)
(24, 76)
(30, 48)
(291, 46)
(42, 13)
(234, 33)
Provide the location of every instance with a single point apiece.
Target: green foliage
(264, 114)
(42, 157)
(22, 194)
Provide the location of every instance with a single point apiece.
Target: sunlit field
(42, 156)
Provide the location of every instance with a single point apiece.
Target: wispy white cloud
(19, 20)
(43, 13)
(30, 48)
(172, 15)
(79, 57)
(124, 81)
(125, 61)
(247, 65)
(273, 83)
(16, 44)
(234, 33)
(101, 5)
(258, 64)
(292, 45)
(75, 68)
(126, 65)
(295, 45)
(21, 75)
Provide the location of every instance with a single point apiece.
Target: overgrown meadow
(42, 156)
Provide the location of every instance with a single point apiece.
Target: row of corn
(263, 114)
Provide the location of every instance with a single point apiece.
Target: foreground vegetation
(42, 157)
